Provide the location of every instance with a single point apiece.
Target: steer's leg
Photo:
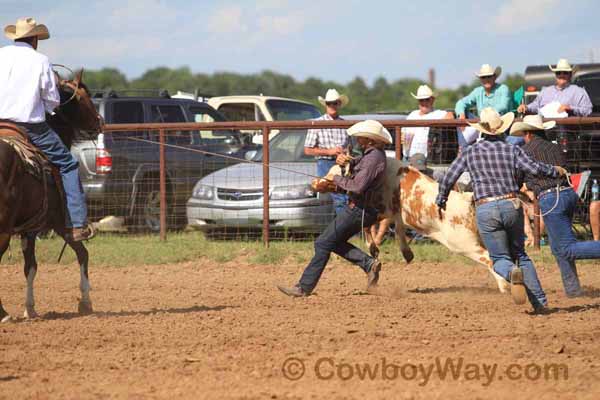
(4, 242)
(30, 270)
(401, 239)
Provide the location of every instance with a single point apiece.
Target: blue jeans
(48, 141)
(501, 228)
(335, 238)
(339, 199)
(564, 245)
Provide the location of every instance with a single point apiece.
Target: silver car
(233, 197)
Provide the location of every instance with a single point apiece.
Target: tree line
(381, 96)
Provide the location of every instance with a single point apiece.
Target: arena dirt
(203, 330)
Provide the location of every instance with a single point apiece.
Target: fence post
(265, 227)
(398, 143)
(536, 224)
(163, 187)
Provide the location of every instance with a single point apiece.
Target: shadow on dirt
(456, 289)
(107, 314)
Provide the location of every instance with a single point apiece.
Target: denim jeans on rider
(335, 239)
(339, 199)
(558, 216)
(501, 228)
(48, 141)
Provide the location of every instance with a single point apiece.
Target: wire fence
(210, 177)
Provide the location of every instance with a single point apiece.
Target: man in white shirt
(415, 138)
(28, 90)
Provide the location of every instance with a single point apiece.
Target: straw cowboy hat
(423, 92)
(333, 95)
(370, 129)
(26, 27)
(487, 70)
(531, 123)
(563, 65)
(491, 123)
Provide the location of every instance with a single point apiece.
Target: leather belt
(496, 198)
(553, 190)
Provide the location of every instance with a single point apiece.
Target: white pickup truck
(263, 108)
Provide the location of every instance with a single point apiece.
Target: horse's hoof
(30, 313)
(85, 307)
(408, 255)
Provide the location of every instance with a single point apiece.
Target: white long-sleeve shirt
(27, 84)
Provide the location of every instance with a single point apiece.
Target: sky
(333, 39)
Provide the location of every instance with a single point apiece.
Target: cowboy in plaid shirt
(494, 165)
(327, 143)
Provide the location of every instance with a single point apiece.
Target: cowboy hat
(333, 95)
(423, 92)
(371, 129)
(531, 123)
(26, 27)
(562, 65)
(487, 70)
(491, 123)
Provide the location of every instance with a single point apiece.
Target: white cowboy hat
(531, 123)
(423, 92)
(26, 27)
(333, 95)
(562, 65)
(370, 129)
(491, 123)
(487, 70)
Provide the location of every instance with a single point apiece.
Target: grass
(127, 250)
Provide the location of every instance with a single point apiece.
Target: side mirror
(250, 155)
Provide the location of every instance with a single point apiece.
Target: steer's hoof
(373, 250)
(408, 255)
(30, 313)
(85, 308)
(4, 317)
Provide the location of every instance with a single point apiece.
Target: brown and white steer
(408, 199)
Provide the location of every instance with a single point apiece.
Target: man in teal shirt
(489, 94)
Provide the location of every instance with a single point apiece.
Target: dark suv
(120, 173)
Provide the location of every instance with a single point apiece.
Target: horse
(25, 198)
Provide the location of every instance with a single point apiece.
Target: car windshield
(287, 146)
(285, 110)
(205, 114)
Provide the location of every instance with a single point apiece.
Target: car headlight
(292, 192)
(203, 192)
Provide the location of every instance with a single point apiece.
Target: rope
(557, 199)
(223, 156)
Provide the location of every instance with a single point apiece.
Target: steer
(408, 199)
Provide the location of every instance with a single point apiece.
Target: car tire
(146, 214)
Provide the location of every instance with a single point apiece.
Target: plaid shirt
(549, 153)
(494, 167)
(326, 138)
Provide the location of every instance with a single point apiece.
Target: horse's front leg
(30, 270)
(85, 303)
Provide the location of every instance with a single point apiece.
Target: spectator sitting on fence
(561, 99)
(327, 143)
(368, 175)
(557, 201)
(489, 94)
(415, 139)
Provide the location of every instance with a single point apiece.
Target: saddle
(36, 164)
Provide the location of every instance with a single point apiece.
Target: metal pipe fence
(209, 177)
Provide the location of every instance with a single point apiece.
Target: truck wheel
(147, 209)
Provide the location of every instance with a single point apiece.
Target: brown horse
(25, 198)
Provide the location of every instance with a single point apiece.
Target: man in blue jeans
(494, 166)
(368, 174)
(326, 144)
(28, 90)
(557, 202)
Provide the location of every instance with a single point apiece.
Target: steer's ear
(402, 170)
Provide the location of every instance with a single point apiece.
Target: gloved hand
(560, 170)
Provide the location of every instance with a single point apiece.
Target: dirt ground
(202, 330)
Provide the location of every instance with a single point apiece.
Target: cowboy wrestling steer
(409, 201)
